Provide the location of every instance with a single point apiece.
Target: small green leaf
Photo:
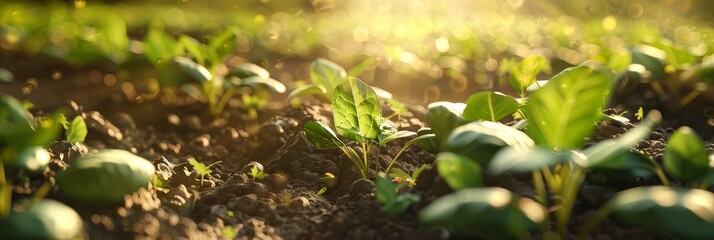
(400, 204)
(397, 107)
(686, 213)
(430, 144)
(386, 190)
(685, 156)
(630, 164)
(256, 173)
(458, 171)
(257, 83)
(482, 139)
(223, 44)
(443, 117)
(563, 113)
(640, 114)
(619, 61)
(245, 70)
(525, 160)
(489, 106)
(356, 110)
(392, 203)
(395, 136)
(484, 209)
(524, 73)
(105, 176)
(198, 72)
(199, 52)
(321, 191)
(321, 135)
(318, 91)
(77, 130)
(327, 74)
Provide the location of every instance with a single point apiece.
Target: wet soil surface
(286, 204)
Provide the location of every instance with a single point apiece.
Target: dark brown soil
(285, 205)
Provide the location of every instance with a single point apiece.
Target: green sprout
(202, 169)
(255, 172)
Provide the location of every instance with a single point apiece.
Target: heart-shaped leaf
(443, 117)
(685, 156)
(489, 106)
(458, 170)
(327, 74)
(77, 130)
(484, 209)
(562, 113)
(525, 160)
(687, 213)
(321, 135)
(482, 139)
(356, 110)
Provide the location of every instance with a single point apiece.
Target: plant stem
(660, 174)
(539, 186)
(5, 194)
(223, 101)
(364, 155)
(406, 145)
(571, 185)
(43, 190)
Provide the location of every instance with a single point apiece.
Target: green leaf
(223, 44)
(484, 209)
(395, 136)
(524, 73)
(563, 113)
(356, 110)
(386, 190)
(203, 55)
(630, 164)
(686, 213)
(198, 72)
(652, 58)
(397, 107)
(321, 135)
(41, 219)
(619, 61)
(361, 67)
(248, 70)
(256, 83)
(77, 130)
(525, 160)
(327, 74)
(685, 156)
(318, 91)
(159, 47)
(489, 106)
(481, 140)
(105, 176)
(443, 117)
(458, 170)
(400, 204)
(612, 149)
(430, 144)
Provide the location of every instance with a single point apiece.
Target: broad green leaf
(685, 156)
(619, 61)
(608, 150)
(386, 190)
(160, 47)
(628, 165)
(482, 139)
(652, 58)
(401, 203)
(356, 110)
(525, 160)
(198, 72)
(77, 130)
(686, 213)
(524, 73)
(223, 44)
(494, 210)
(318, 91)
(327, 73)
(562, 114)
(321, 135)
(458, 170)
(41, 219)
(489, 106)
(443, 117)
(104, 177)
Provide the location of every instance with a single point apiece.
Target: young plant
(257, 173)
(202, 169)
(165, 53)
(402, 178)
(326, 75)
(76, 131)
(392, 201)
(357, 116)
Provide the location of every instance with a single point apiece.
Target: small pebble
(299, 203)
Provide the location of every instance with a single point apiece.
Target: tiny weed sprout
(256, 173)
(403, 179)
(202, 169)
(392, 201)
(357, 116)
(321, 191)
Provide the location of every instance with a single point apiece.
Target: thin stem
(539, 186)
(223, 101)
(43, 190)
(5, 194)
(364, 155)
(571, 187)
(660, 174)
(406, 145)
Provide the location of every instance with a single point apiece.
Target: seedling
(76, 131)
(393, 202)
(403, 179)
(255, 172)
(202, 169)
(357, 116)
(321, 191)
